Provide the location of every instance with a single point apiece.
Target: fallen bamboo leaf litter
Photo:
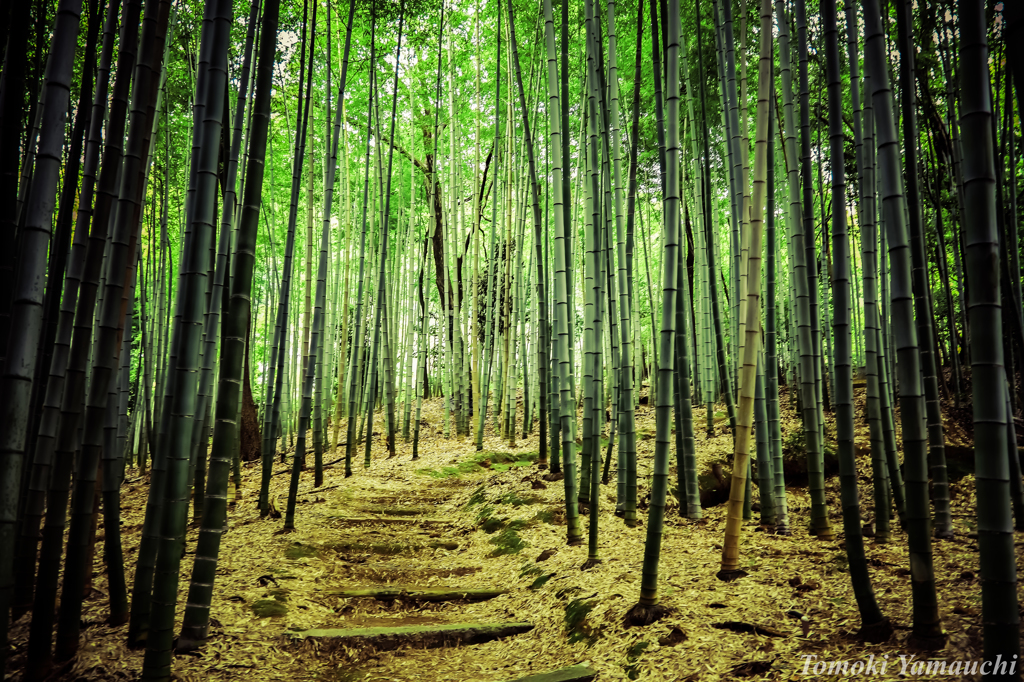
(342, 544)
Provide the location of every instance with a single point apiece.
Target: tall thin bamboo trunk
(562, 310)
(188, 320)
(771, 358)
(798, 224)
(316, 333)
(647, 608)
(381, 306)
(943, 522)
(927, 623)
(195, 627)
(26, 296)
(542, 321)
(1001, 634)
(751, 345)
(355, 367)
(874, 626)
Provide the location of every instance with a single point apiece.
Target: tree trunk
(251, 438)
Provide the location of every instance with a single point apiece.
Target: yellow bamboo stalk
(745, 208)
(752, 333)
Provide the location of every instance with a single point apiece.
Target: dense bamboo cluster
(522, 215)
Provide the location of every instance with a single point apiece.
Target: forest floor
(425, 523)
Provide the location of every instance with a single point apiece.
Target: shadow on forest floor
(394, 545)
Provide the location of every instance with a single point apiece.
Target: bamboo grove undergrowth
(545, 215)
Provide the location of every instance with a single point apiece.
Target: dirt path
(479, 524)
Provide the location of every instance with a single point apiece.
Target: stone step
(385, 510)
(340, 518)
(419, 636)
(433, 594)
(395, 547)
(575, 673)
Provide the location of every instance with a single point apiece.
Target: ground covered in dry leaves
(487, 524)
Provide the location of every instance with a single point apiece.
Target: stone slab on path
(433, 594)
(396, 511)
(340, 518)
(387, 572)
(420, 636)
(576, 673)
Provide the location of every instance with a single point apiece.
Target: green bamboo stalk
(381, 288)
(563, 368)
(1001, 633)
(67, 432)
(355, 358)
(765, 473)
(627, 441)
(538, 242)
(593, 402)
(875, 361)
(927, 623)
(43, 459)
(874, 626)
(26, 311)
(107, 340)
(771, 370)
(188, 319)
(811, 259)
(686, 465)
(492, 294)
(316, 334)
(800, 281)
(279, 348)
(751, 345)
(647, 608)
(943, 522)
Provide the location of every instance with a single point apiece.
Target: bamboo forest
(490, 340)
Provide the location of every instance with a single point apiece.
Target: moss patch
(299, 551)
(545, 516)
(632, 670)
(541, 581)
(508, 540)
(576, 626)
(516, 501)
(516, 458)
(478, 497)
(495, 461)
(529, 569)
(491, 525)
(466, 467)
(269, 608)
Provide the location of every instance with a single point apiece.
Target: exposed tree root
(188, 643)
(929, 642)
(729, 576)
(876, 633)
(645, 614)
